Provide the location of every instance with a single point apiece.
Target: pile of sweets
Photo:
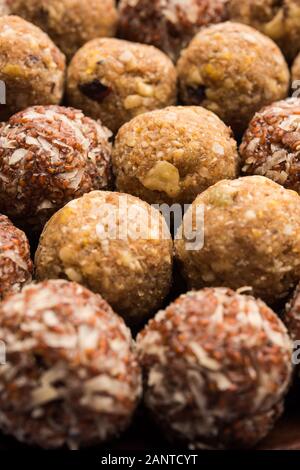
(115, 118)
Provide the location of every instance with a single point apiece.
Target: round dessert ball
(168, 24)
(70, 23)
(251, 238)
(50, 155)
(15, 264)
(291, 315)
(277, 19)
(123, 251)
(71, 376)
(271, 145)
(31, 67)
(233, 70)
(216, 367)
(173, 154)
(115, 80)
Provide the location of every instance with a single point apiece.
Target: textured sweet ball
(70, 24)
(50, 155)
(15, 263)
(271, 144)
(31, 66)
(115, 80)
(276, 19)
(173, 154)
(168, 24)
(233, 70)
(123, 251)
(71, 376)
(216, 367)
(291, 316)
(251, 238)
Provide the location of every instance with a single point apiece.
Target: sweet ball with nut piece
(173, 154)
(233, 70)
(251, 238)
(216, 367)
(168, 24)
(70, 24)
(15, 264)
(71, 376)
(277, 19)
(50, 155)
(31, 66)
(115, 80)
(123, 251)
(271, 144)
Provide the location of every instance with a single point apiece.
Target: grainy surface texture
(251, 238)
(216, 367)
(4, 7)
(70, 23)
(291, 315)
(50, 155)
(15, 264)
(172, 155)
(280, 20)
(168, 24)
(76, 380)
(115, 80)
(233, 70)
(295, 70)
(271, 144)
(144, 435)
(31, 66)
(123, 251)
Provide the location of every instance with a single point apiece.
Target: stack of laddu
(113, 111)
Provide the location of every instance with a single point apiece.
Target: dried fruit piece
(196, 94)
(95, 90)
